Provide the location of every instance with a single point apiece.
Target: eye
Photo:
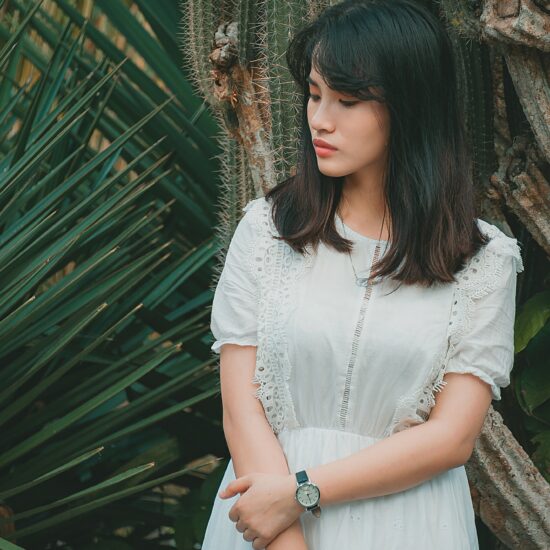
(346, 104)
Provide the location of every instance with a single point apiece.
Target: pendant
(362, 281)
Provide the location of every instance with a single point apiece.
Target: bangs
(343, 55)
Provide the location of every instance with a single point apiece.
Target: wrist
(295, 505)
(291, 538)
(307, 493)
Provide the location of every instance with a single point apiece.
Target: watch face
(307, 494)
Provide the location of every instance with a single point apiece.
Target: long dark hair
(402, 49)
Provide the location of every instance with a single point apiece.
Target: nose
(320, 118)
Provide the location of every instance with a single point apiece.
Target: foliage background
(108, 192)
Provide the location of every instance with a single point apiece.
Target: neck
(362, 208)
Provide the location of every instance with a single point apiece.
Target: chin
(332, 171)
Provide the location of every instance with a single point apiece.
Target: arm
(252, 444)
(399, 462)
(480, 364)
(412, 456)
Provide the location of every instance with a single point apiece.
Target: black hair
(402, 50)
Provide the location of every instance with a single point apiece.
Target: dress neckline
(359, 236)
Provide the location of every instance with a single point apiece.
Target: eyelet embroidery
(343, 417)
(477, 278)
(276, 267)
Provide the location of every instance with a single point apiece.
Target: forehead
(314, 77)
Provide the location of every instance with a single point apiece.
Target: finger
(242, 527)
(233, 488)
(233, 514)
(249, 535)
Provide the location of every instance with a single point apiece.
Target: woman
(364, 305)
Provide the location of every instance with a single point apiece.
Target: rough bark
(523, 22)
(509, 493)
(520, 181)
(233, 84)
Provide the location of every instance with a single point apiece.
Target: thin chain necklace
(364, 281)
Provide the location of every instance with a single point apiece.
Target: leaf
(532, 382)
(82, 509)
(5, 545)
(533, 316)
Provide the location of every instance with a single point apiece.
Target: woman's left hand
(266, 507)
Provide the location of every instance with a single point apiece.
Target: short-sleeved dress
(340, 367)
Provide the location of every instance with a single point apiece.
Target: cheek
(376, 124)
(382, 115)
(310, 111)
(367, 131)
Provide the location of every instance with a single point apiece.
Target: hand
(267, 506)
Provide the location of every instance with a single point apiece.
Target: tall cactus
(234, 52)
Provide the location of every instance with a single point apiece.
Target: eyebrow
(311, 81)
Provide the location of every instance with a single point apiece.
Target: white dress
(340, 368)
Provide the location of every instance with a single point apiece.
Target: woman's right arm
(252, 444)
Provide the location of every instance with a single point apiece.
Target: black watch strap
(301, 476)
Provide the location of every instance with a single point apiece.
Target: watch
(307, 493)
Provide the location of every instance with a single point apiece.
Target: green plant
(107, 187)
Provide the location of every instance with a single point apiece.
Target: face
(358, 129)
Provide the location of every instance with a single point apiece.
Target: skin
(360, 130)
(253, 446)
(267, 508)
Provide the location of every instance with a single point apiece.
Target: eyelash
(347, 104)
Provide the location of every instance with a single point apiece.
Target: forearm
(399, 462)
(255, 448)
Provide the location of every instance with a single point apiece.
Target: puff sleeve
(486, 347)
(234, 307)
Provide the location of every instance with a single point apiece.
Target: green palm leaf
(107, 177)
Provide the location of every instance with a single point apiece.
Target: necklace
(364, 281)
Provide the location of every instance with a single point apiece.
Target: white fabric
(338, 370)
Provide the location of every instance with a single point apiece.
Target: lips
(322, 143)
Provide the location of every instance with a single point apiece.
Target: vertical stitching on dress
(355, 344)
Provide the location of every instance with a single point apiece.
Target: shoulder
(259, 207)
(256, 205)
(501, 245)
(494, 265)
(253, 231)
(257, 215)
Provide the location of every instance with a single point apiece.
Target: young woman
(364, 315)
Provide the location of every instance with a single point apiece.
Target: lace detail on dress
(276, 267)
(480, 277)
(414, 408)
(477, 278)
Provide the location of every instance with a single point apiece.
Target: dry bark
(523, 22)
(234, 84)
(509, 493)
